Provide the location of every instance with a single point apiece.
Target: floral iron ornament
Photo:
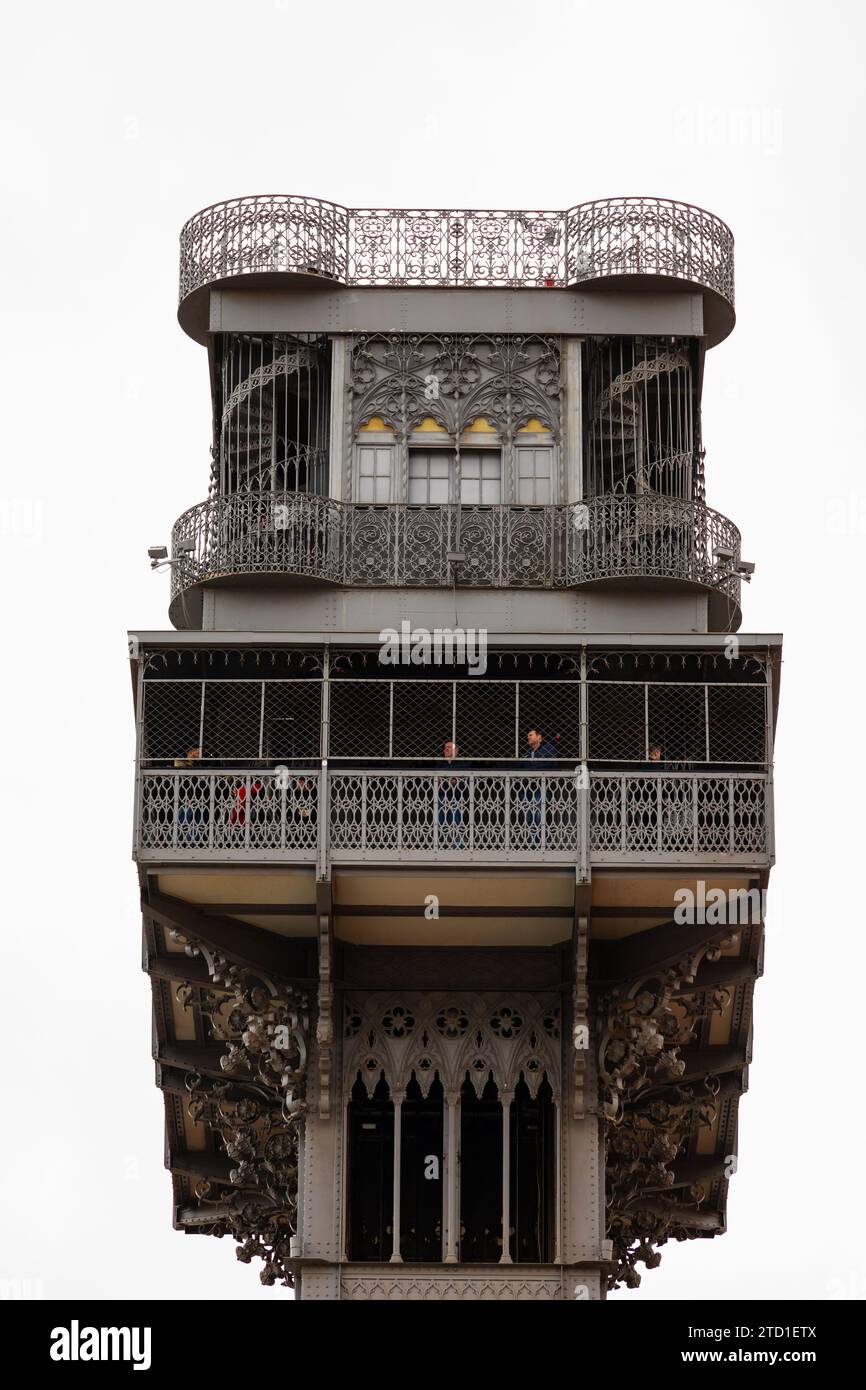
(648, 1117)
(256, 1111)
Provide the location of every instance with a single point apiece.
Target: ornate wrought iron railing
(462, 816)
(680, 817)
(193, 815)
(290, 233)
(474, 816)
(552, 547)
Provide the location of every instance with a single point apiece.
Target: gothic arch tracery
(455, 1037)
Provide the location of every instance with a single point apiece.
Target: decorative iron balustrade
(680, 817)
(459, 815)
(194, 815)
(543, 547)
(374, 718)
(290, 233)
(455, 817)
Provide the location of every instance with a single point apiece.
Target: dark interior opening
(480, 1175)
(533, 1175)
(421, 1176)
(371, 1173)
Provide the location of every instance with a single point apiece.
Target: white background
(119, 121)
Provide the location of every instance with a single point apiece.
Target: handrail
(290, 233)
(535, 547)
(397, 816)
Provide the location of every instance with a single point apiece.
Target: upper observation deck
(278, 240)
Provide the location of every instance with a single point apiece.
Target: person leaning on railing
(452, 795)
(190, 811)
(542, 754)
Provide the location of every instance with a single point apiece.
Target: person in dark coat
(539, 749)
(541, 753)
(452, 797)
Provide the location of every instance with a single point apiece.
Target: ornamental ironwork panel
(677, 816)
(555, 547)
(270, 232)
(290, 233)
(509, 379)
(460, 815)
(225, 815)
(427, 1288)
(464, 1037)
(658, 236)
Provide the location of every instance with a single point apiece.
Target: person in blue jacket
(539, 748)
(542, 754)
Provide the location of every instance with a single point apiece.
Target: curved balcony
(602, 241)
(298, 537)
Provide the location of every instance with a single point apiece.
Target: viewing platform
(303, 538)
(634, 240)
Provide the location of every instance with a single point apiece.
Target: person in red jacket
(238, 813)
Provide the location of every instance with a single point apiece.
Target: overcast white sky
(118, 121)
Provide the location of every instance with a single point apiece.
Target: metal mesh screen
(250, 721)
(485, 719)
(677, 722)
(554, 710)
(737, 728)
(171, 719)
(423, 718)
(689, 724)
(359, 719)
(616, 722)
(291, 727)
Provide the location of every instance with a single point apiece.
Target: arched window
(534, 465)
(452, 1129)
(375, 462)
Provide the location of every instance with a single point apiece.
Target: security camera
(157, 552)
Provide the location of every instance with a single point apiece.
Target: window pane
(481, 477)
(430, 476)
(534, 467)
(374, 473)
(491, 491)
